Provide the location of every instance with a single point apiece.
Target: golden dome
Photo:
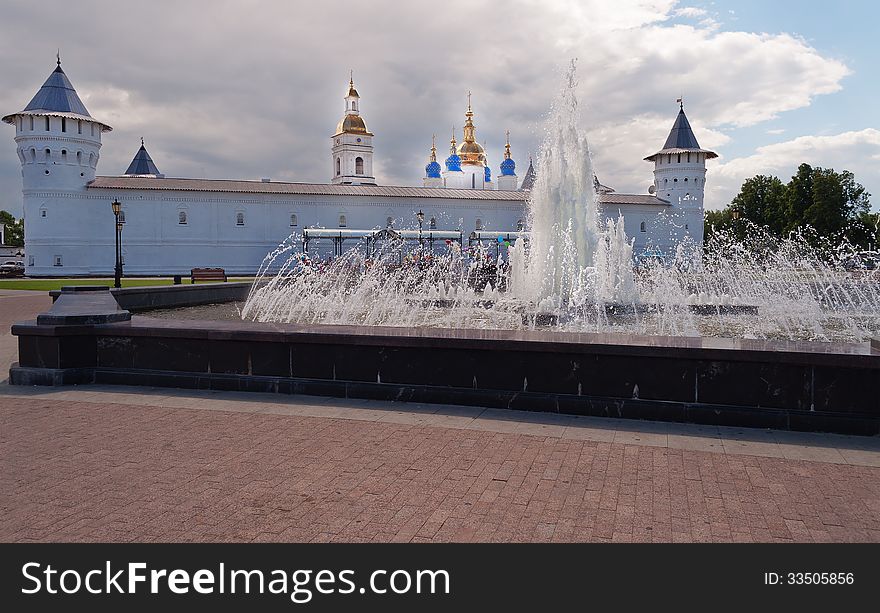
(352, 124)
(471, 153)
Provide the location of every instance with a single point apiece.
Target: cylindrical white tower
(680, 178)
(58, 145)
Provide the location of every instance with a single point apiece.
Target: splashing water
(577, 273)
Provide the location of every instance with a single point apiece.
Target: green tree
(762, 201)
(14, 229)
(798, 196)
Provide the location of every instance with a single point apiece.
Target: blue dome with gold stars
(453, 163)
(508, 168)
(487, 174)
(432, 170)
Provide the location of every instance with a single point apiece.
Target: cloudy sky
(251, 89)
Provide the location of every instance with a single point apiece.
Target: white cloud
(230, 89)
(853, 151)
(776, 131)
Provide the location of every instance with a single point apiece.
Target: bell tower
(352, 145)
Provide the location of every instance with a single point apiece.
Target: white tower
(352, 145)
(58, 145)
(680, 178)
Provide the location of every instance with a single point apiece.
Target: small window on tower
(239, 219)
(338, 167)
(643, 227)
(64, 124)
(354, 105)
(181, 218)
(79, 126)
(293, 221)
(342, 221)
(32, 123)
(689, 156)
(47, 124)
(48, 154)
(679, 158)
(685, 179)
(359, 166)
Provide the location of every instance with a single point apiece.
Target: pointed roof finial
(469, 100)
(433, 147)
(351, 77)
(507, 146)
(680, 103)
(142, 141)
(58, 56)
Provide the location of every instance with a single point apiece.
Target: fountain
(761, 333)
(575, 273)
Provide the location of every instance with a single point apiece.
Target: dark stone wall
(137, 299)
(803, 386)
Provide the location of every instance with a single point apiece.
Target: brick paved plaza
(126, 464)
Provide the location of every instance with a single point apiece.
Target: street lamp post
(117, 208)
(421, 217)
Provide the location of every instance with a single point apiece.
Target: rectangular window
(47, 124)
(64, 124)
(42, 212)
(58, 260)
(79, 126)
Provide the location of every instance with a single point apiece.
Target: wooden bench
(207, 274)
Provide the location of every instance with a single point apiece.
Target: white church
(171, 225)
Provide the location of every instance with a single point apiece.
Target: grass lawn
(44, 285)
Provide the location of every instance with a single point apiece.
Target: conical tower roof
(529, 178)
(142, 164)
(681, 139)
(57, 96)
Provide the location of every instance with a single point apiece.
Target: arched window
(181, 218)
(79, 126)
(293, 220)
(433, 224)
(338, 167)
(64, 124)
(239, 219)
(32, 123)
(675, 180)
(389, 221)
(92, 160)
(354, 105)
(520, 225)
(685, 179)
(48, 154)
(64, 156)
(358, 165)
(478, 224)
(47, 124)
(643, 227)
(33, 155)
(79, 157)
(342, 221)
(92, 126)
